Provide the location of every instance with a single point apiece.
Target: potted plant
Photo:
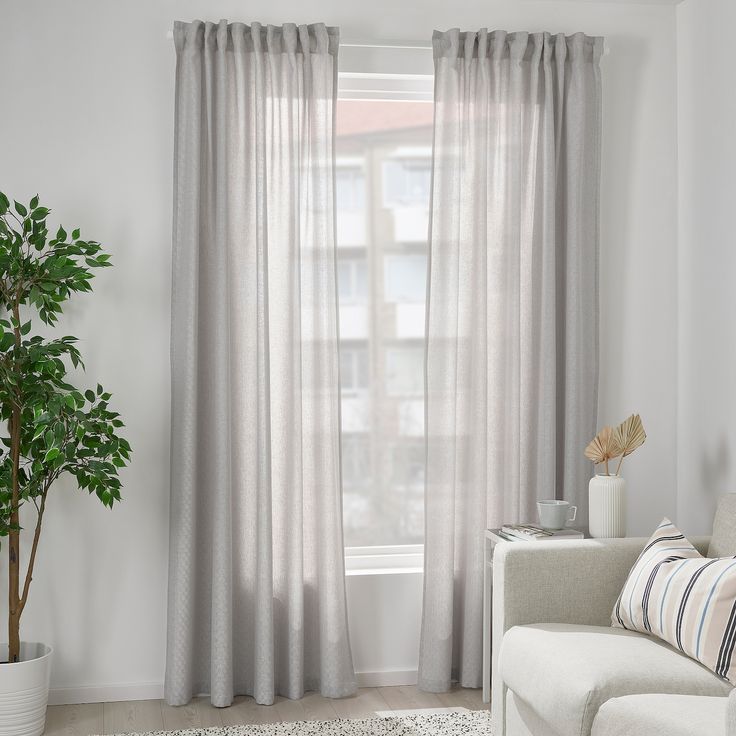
(606, 491)
(50, 427)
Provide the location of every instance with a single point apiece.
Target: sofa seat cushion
(662, 715)
(567, 671)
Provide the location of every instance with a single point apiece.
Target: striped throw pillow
(689, 601)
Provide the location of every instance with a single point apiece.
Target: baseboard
(155, 690)
(106, 693)
(386, 678)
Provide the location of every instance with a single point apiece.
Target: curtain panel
(256, 582)
(512, 310)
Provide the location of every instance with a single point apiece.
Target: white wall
(384, 617)
(707, 265)
(90, 127)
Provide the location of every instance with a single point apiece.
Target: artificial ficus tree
(50, 427)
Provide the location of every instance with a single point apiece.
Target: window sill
(397, 560)
(384, 571)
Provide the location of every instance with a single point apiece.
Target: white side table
(491, 539)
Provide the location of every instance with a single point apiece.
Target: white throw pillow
(688, 600)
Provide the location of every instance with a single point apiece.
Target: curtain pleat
(512, 310)
(256, 582)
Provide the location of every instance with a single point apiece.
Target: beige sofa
(560, 669)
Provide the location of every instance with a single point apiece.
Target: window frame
(384, 559)
(400, 558)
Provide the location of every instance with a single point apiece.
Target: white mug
(555, 514)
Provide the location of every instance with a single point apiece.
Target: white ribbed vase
(24, 690)
(607, 506)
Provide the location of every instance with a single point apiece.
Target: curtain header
(520, 46)
(289, 38)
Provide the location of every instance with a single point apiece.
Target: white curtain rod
(364, 44)
(408, 45)
(394, 45)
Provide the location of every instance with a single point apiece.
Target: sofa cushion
(523, 720)
(674, 593)
(723, 541)
(662, 715)
(567, 671)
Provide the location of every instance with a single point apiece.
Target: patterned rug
(468, 723)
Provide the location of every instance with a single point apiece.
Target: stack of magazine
(531, 533)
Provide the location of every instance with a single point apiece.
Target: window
(353, 369)
(352, 279)
(406, 180)
(383, 153)
(350, 200)
(405, 370)
(350, 187)
(405, 278)
(356, 467)
(407, 465)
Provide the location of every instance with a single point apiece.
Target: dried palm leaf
(603, 447)
(629, 435)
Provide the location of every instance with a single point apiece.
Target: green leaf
(61, 428)
(7, 341)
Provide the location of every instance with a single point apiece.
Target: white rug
(453, 723)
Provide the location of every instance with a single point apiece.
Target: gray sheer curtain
(256, 582)
(512, 323)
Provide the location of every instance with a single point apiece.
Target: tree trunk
(14, 607)
(14, 635)
(14, 600)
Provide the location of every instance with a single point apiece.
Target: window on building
(350, 186)
(406, 179)
(354, 369)
(356, 466)
(383, 153)
(352, 279)
(405, 278)
(407, 465)
(405, 370)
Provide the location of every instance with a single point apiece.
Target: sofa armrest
(557, 582)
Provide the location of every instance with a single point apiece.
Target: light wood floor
(152, 715)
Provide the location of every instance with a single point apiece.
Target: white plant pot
(607, 506)
(24, 690)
